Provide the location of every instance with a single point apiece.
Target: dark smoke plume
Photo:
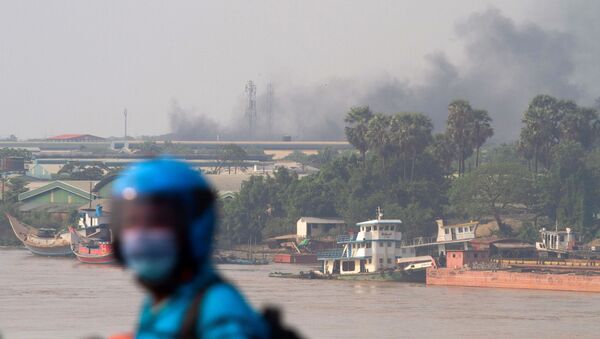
(506, 64)
(188, 125)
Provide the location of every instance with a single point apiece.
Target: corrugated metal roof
(53, 185)
(74, 136)
(315, 220)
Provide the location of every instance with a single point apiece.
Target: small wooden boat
(93, 249)
(43, 241)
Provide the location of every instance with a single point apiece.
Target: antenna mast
(125, 116)
(251, 107)
(269, 109)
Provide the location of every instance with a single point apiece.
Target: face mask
(150, 253)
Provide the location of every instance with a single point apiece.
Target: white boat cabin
(464, 231)
(556, 241)
(375, 246)
(92, 217)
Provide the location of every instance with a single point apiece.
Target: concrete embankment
(507, 279)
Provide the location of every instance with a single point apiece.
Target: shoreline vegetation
(549, 176)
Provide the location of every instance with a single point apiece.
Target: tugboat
(374, 253)
(41, 241)
(93, 244)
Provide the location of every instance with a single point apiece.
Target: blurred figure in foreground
(164, 223)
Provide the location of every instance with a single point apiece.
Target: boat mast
(379, 213)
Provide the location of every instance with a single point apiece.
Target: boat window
(368, 228)
(374, 228)
(447, 231)
(389, 243)
(348, 266)
(389, 260)
(368, 245)
(381, 260)
(381, 244)
(472, 228)
(370, 261)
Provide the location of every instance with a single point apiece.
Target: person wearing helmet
(164, 221)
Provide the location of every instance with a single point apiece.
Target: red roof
(73, 136)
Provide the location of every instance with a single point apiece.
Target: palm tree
(482, 130)
(411, 133)
(357, 121)
(460, 116)
(378, 135)
(541, 130)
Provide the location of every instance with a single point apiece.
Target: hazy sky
(73, 66)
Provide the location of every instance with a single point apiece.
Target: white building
(310, 227)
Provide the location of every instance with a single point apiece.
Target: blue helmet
(173, 178)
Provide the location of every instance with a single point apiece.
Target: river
(61, 298)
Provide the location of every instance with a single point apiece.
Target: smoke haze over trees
(505, 63)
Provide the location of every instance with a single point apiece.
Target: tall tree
(482, 130)
(411, 133)
(459, 129)
(540, 131)
(577, 123)
(378, 135)
(443, 150)
(357, 126)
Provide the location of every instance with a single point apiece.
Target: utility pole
(251, 107)
(125, 116)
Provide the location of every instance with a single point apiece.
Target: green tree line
(550, 176)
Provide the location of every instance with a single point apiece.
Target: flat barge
(537, 280)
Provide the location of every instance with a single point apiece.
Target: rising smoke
(505, 65)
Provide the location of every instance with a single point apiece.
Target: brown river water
(61, 298)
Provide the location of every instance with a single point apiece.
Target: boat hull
(400, 276)
(57, 251)
(417, 276)
(55, 247)
(517, 280)
(96, 259)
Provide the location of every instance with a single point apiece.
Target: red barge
(571, 281)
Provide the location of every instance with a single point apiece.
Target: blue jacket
(223, 314)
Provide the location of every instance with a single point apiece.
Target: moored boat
(375, 252)
(43, 241)
(92, 250)
(93, 244)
